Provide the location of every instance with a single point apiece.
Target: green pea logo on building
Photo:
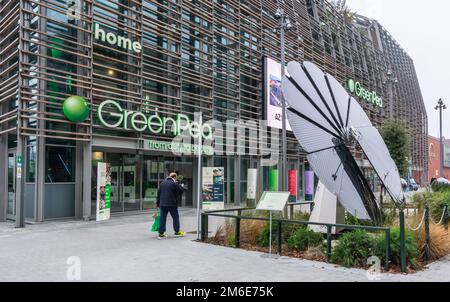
(363, 93)
(351, 85)
(76, 109)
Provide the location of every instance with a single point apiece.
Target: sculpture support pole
(402, 241)
(283, 119)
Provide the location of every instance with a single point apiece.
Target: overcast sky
(422, 28)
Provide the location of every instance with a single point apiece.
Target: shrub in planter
(440, 187)
(303, 239)
(231, 242)
(301, 216)
(353, 249)
(352, 220)
(264, 235)
(435, 200)
(223, 233)
(439, 242)
(389, 216)
(250, 230)
(411, 249)
(287, 230)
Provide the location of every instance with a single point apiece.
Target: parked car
(413, 185)
(404, 183)
(442, 180)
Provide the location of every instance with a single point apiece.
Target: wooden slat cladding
(9, 65)
(57, 63)
(197, 55)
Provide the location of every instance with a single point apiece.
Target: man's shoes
(162, 236)
(180, 234)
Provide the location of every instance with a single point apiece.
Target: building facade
(434, 161)
(151, 63)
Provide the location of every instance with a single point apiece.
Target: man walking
(167, 201)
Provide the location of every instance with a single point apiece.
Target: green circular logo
(351, 85)
(76, 109)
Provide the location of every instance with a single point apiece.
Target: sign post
(272, 201)
(213, 188)
(199, 171)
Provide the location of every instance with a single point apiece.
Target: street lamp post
(390, 80)
(284, 24)
(441, 106)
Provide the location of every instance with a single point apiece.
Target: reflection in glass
(60, 164)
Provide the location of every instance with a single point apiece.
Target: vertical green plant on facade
(397, 139)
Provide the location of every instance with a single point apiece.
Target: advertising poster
(103, 191)
(19, 167)
(213, 188)
(309, 185)
(273, 179)
(252, 176)
(292, 183)
(273, 94)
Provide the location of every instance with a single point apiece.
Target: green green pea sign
(112, 115)
(365, 94)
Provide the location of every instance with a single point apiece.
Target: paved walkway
(123, 249)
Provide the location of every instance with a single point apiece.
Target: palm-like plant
(342, 8)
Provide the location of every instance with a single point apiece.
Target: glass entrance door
(156, 169)
(124, 182)
(153, 173)
(184, 168)
(11, 206)
(131, 182)
(116, 179)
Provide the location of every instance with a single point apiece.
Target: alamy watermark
(73, 272)
(374, 271)
(230, 138)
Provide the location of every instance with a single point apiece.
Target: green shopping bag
(155, 226)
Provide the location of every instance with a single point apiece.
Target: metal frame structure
(197, 55)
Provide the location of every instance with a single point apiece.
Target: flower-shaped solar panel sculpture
(329, 124)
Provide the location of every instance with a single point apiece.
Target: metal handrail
(353, 227)
(329, 226)
(229, 210)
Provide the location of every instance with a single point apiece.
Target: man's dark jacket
(168, 193)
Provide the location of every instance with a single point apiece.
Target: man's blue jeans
(175, 217)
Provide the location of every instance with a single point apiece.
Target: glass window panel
(60, 164)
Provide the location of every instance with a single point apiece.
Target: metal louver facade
(197, 55)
